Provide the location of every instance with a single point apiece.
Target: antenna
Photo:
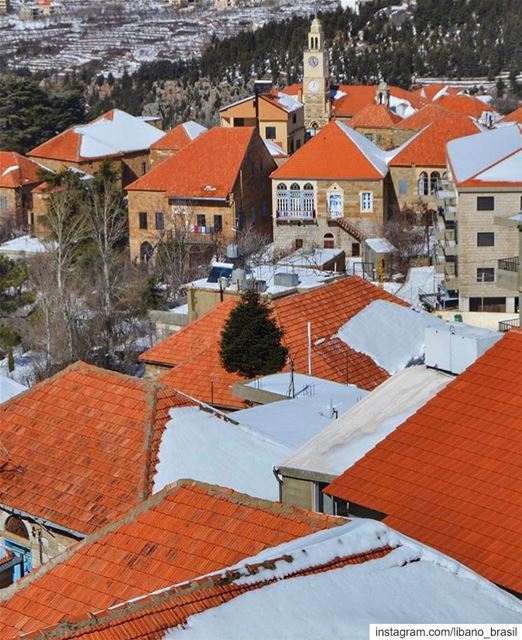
(291, 384)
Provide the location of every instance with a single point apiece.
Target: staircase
(350, 228)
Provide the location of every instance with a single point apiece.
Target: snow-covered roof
(275, 150)
(372, 152)
(345, 440)
(193, 129)
(493, 156)
(408, 583)
(118, 132)
(392, 335)
(419, 280)
(9, 388)
(380, 245)
(25, 244)
(313, 258)
(288, 102)
(296, 420)
(202, 446)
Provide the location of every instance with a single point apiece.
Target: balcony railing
(204, 230)
(295, 215)
(506, 325)
(509, 264)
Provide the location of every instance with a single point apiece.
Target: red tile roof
(65, 146)
(359, 96)
(450, 476)
(174, 140)
(193, 352)
(375, 116)
(428, 148)
(82, 446)
(431, 91)
(187, 530)
(423, 117)
(514, 116)
(150, 617)
(17, 170)
(207, 168)
(333, 153)
(464, 104)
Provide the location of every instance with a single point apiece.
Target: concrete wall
(297, 492)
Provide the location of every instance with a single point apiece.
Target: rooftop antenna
(291, 384)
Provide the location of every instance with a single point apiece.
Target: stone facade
(385, 137)
(316, 80)
(408, 188)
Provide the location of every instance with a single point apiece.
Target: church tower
(316, 79)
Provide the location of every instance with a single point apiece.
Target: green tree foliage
(29, 114)
(251, 339)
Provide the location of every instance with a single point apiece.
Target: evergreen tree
(251, 339)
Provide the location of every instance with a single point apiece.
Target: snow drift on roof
(372, 152)
(393, 336)
(193, 129)
(9, 388)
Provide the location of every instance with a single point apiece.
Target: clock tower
(316, 79)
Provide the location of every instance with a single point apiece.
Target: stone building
(175, 140)
(18, 176)
(333, 193)
(316, 79)
(207, 192)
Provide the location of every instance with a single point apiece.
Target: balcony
(300, 216)
(506, 325)
(507, 273)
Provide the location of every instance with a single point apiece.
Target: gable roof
(17, 170)
(361, 572)
(187, 530)
(193, 352)
(349, 99)
(115, 133)
(423, 117)
(179, 137)
(207, 168)
(336, 152)
(514, 116)
(464, 104)
(488, 159)
(376, 116)
(436, 90)
(428, 147)
(450, 475)
(81, 447)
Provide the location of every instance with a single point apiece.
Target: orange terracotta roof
(431, 91)
(450, 476)
(151, 617)
(207, 168)
(83, 445)
(465, 105)
(359, 96)
(174, 140)
(375, 116)
(428, 148)
(293, 89)
(17, 170)
(337, 153)
(187, 530)
(65, 146)
(514, 116)
(193, 352)
(423, 117)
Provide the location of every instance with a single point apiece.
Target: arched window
(328, 241)
(282, 199)
(423, 186)
(146, 251)
(16, 526)
(295, 199)
(308, 199)
(434, 181)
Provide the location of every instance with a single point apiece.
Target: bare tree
(410, 232)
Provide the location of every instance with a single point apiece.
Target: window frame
(362, 197)
(159, 221)
(483, 234)
(482, 199)
(272, 129)
(143, 220)
(483, 279)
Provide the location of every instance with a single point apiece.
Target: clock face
(313, 61)
(313, 86)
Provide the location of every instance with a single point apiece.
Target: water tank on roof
(239, 277)
(286, 279)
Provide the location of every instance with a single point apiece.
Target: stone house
(175, 140)
(333, 193)
(215, 187)
(18, 176)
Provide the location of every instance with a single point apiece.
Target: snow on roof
(419, 280)
(275, 150)
(10, 388)
(479, 153)
(288, 102)
(296, 420)
(508, 170)
(392, 335)
(380, 245)
(200, 445)
(25, 244)
(412, 583)
(13, 167)
(314, 258)
(372, 152)
(344, 441)
(116, 133)
(193, 129)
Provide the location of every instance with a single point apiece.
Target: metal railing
(509, 264)
(506, 325)
(285, 214)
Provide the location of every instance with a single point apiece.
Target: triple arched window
(295, 201)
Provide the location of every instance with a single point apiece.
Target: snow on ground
(392, 335)
(344, 441)
(411, 584)
(201, 446)
(10, 388)
(23, 373)
(24, 244)
(380, 245)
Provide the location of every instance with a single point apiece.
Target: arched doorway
(146, 251)
(328, 241)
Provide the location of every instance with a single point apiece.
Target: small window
(160, 221)
(485, 274)
(298, 243)
(143, 219)
(201, 220)
(239, 122)
(218, 224)
(335, 205)
(356, 249)
(485, 203)
(423, 187)
(485, 239)
(403, 187)
(366, 201)
(3, 205)
(270, 133)
(143, 168)
(369, 136)
(328, 241)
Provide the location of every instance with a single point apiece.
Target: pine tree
(251, 339)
